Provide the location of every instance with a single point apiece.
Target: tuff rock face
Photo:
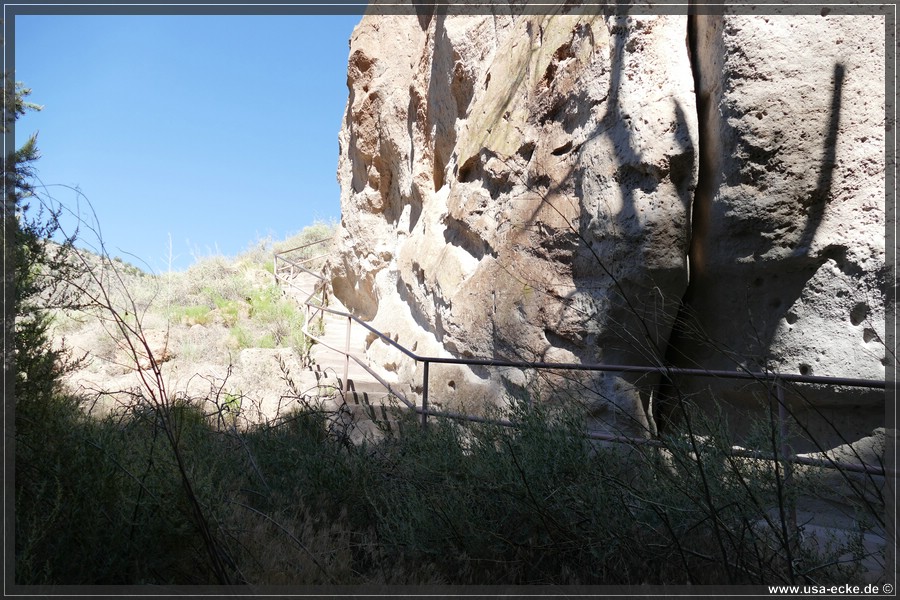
(550, 188)
(788, 248)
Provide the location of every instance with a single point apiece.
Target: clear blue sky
(214, 130)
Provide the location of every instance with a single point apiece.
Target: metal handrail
(646, 369)
(664, 370)
(746, 374)
(321, 308)
(400, 395)
(322, 241)
(299, 265)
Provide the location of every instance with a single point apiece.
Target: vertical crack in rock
(787, 222)
(698, 220)
(702, 194)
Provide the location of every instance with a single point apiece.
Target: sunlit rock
(519, 188)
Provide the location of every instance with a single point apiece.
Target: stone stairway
(365, 401)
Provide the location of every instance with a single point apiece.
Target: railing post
(785, 451)
(307, 325)
(425, 394)
(347, 356)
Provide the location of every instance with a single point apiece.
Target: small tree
(34, 266)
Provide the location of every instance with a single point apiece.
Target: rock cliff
(787, 257)
(706, 191)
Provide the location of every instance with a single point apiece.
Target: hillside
(221, 330)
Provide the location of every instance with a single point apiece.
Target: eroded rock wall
(507, 182)
(523, 187)
(787, 263)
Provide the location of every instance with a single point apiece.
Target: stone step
(367, 422)
(365, 398)
(325, 382)
(357, 382)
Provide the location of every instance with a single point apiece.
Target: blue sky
(214, 131)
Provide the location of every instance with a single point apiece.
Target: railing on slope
(319, 307)
(316, 302)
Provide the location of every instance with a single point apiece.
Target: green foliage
(258, 316)
(37, 267)
(34, 269)
(233, 401)
(105, 503)
(190, 315)
(312, 233)
(262, 319)
(123, 266)
(241, 337)
(453, 503)
(229, 310)
(279, 317)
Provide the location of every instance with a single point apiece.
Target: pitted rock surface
(787, 260)
(554, 188)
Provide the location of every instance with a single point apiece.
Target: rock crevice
(780, 226)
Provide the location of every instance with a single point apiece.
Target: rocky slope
(222, 333)
(568, 187)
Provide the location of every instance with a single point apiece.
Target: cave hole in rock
(859, 312)
(565, 148)
(370, 339)
(470, 170)
(420, 273)
(437, 171)
(526, 150)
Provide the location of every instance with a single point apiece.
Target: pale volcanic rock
(524, 188)
(788, 257)
(518, 187)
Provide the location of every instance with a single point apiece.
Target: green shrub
(191, 315)
(241, 337)
(98, 505)
(311, 233)
(454, 503)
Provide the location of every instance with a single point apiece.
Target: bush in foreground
(459, 504)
